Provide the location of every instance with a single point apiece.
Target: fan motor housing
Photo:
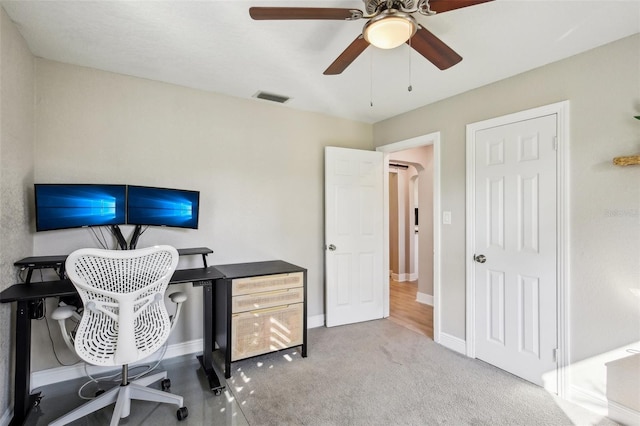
(374, 6)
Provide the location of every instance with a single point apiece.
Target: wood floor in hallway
(406, 311)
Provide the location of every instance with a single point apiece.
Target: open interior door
(354, 240)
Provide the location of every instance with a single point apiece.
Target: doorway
(410, 296)
(424, 274)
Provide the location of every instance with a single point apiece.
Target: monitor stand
(134, 238)
(122, 242)
(115, 230)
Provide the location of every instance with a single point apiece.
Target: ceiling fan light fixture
(390, 30)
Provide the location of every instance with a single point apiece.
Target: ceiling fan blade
(434, 49)
(349, 55)
(261, 13)
(441, 6)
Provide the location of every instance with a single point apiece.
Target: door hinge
(555, 355)
(555, 143)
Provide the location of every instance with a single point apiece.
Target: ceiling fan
(390, 24)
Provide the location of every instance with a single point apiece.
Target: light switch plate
(446, 218)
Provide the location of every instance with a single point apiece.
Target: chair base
(122, 396)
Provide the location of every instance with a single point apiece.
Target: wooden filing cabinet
(260, 308)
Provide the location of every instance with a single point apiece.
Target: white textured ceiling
(214, 45)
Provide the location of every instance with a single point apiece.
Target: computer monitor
(62, 206)
(162, 207)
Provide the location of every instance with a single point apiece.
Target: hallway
(406, 311)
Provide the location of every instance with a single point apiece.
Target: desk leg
(206, 359)
(23, 400)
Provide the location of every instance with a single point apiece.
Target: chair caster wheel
(217, 392)
(37, 399)
(166, 384)
(182, 413)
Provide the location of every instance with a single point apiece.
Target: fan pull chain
(410, 88)
(371, 78)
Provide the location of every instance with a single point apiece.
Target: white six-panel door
(515, 248)
(353, 235)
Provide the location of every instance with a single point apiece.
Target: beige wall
(258, 167)
(603, 87)
(16, 173)
(394, 255)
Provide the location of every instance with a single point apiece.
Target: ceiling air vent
(271, 97)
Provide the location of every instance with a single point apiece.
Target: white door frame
(561, 109)
(424, 140)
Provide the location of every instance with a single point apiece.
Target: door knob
(332, 247)
(480, 258)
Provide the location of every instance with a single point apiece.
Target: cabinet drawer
(266, 330)
(266, 283)
(248, 302)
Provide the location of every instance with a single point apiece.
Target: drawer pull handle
(265, 310)
(268, 293)
(267, 278)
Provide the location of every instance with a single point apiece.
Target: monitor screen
(60, 206)
(162, 207)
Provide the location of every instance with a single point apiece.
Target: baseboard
(588, 399)
(61, 374)
(453, 343)
(6, 417)
(623, 415)
(315, 321)
(424, 298)
(599, 404)
(401, 278)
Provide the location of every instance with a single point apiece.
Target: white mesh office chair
(124, 320)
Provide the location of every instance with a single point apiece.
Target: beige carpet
(379, 373)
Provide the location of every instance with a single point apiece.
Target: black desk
(56, 262)
(24, 294)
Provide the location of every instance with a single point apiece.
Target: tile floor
(187, 380)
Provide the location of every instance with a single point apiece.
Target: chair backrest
(124, 318)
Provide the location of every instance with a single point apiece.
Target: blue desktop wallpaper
(73, 206)
(162, 207)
